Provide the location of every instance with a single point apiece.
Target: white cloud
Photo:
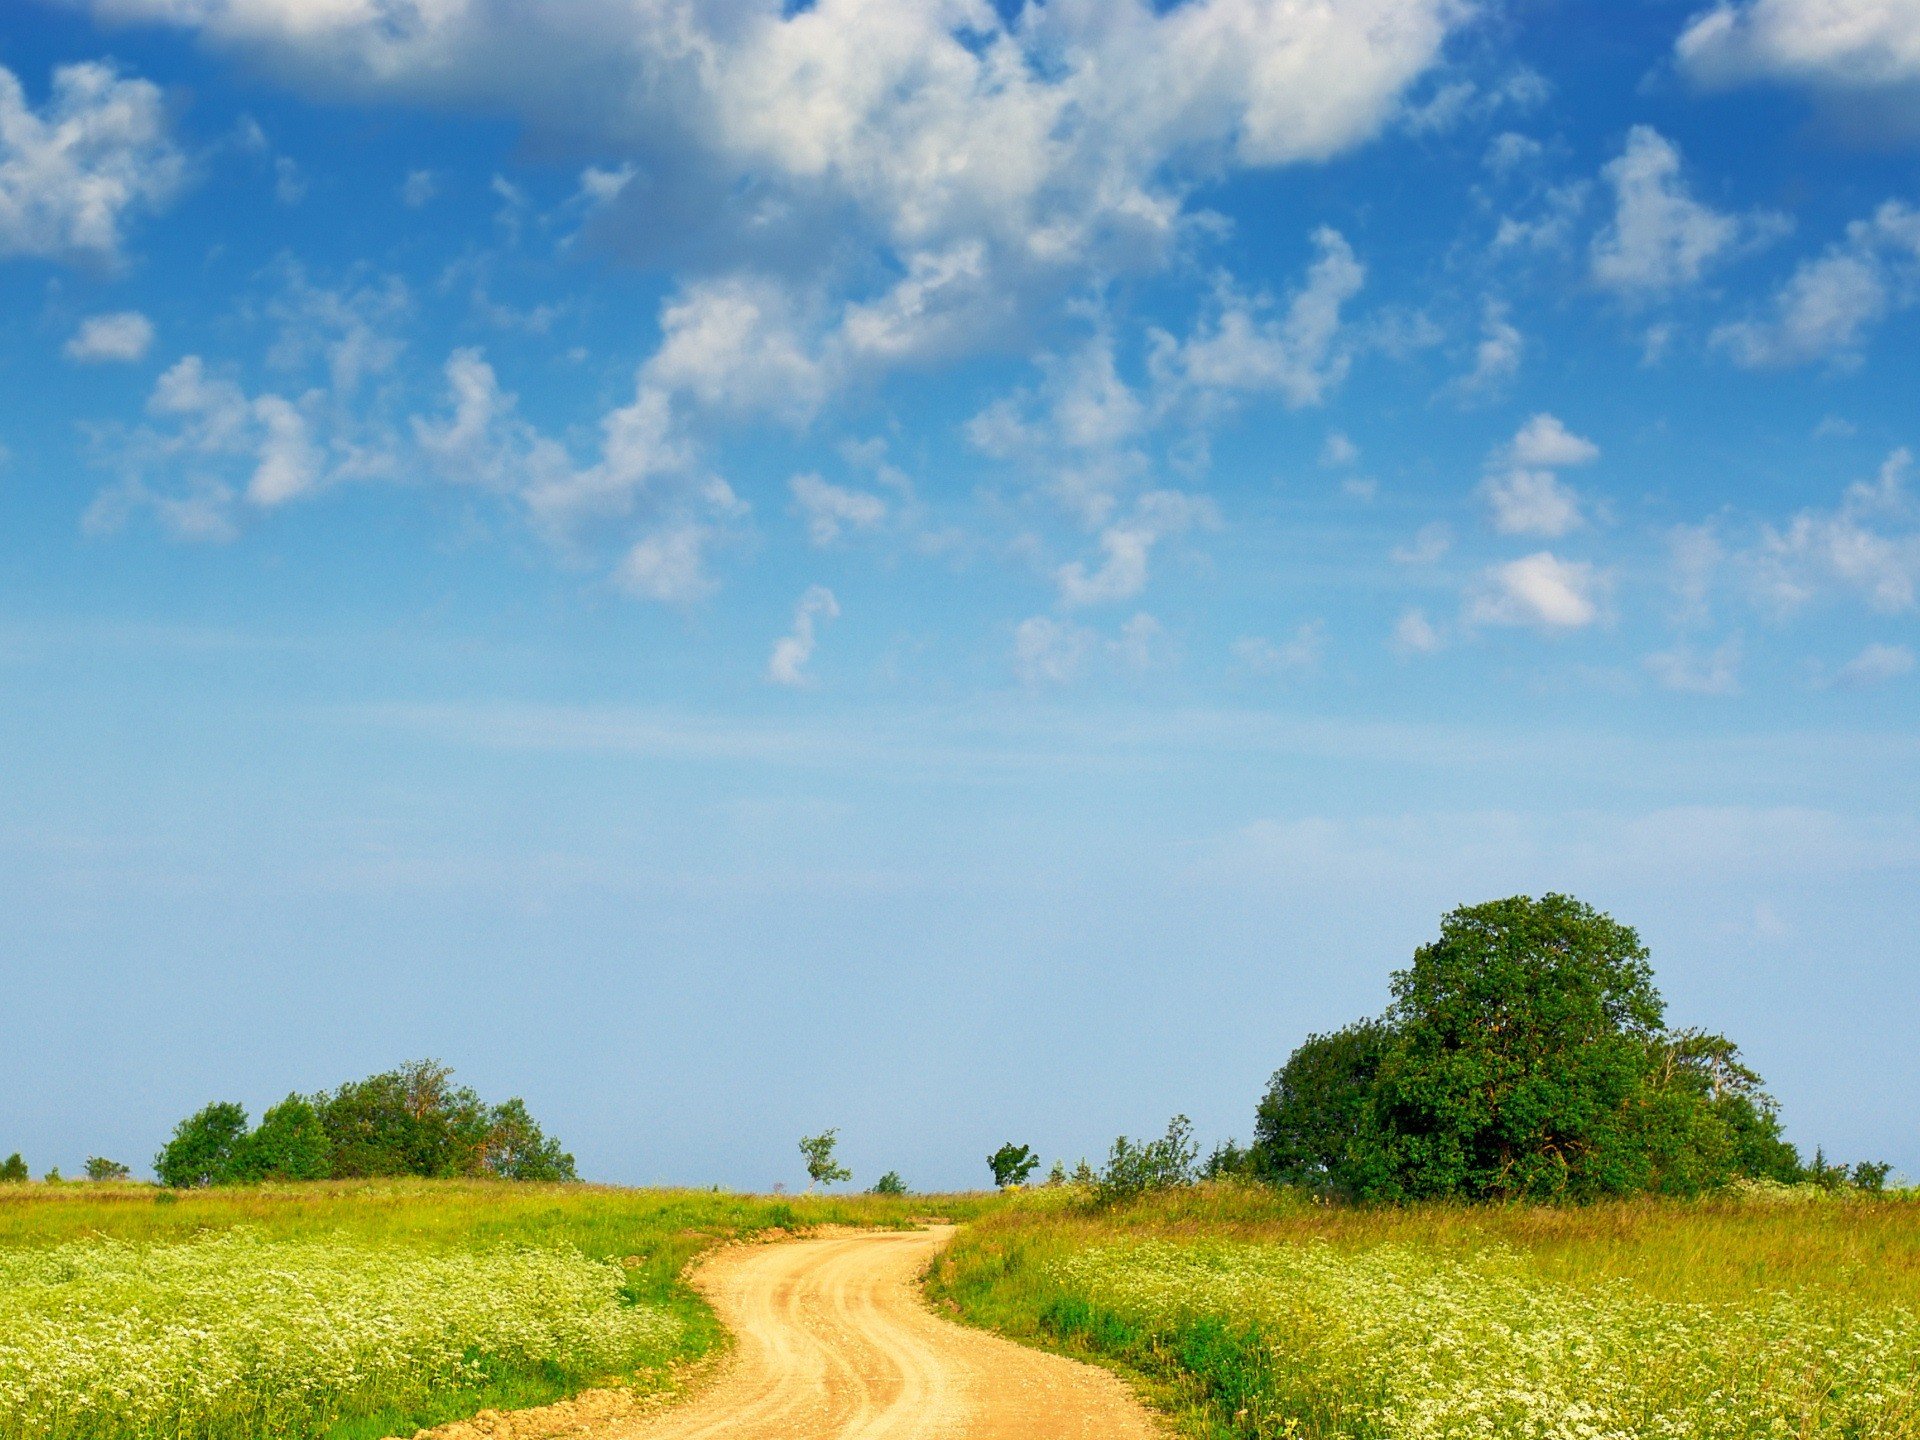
(740, 343)
(1521, 488)
(1875, 665)
(72, 174)
(1125, 548)
(832, 509)
(1428, 546)
(124, 337)
(1414, 634)
(1339, 451)
(1545, 441)
(1830, 304)
(1497, 357)
(792, 652)
(1693, 672)
(419, 188)
(1836, 44)
(1066, 134)
(1660, 237)
(1048, 651)
(1852, 547)
(1541, 590)
(667, 565)
(1297, 354)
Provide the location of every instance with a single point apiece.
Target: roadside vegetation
(1515, 1205)
(354, 1310)
(1251, 1311)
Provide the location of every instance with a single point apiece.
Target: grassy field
(1255, 1315)
(355, 1310)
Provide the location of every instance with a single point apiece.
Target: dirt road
(835, 1343)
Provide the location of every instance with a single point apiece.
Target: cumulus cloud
(1428, 546)
(1867, 545)
(668, 565)
(1660, 238)
(830, 510)
(792, 652)
(1829, 306)
(1523, 491)
(1064, 132)
(1833, 44)
(73, 173)
(1298, 353)
(1875, 665)
(1541, 590)
(1496, 359)
(1415, 634)
(1047, 651)
(122, 337)
(1126, 546)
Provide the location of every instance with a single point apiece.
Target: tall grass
(1262, 1315)
(351, 1309)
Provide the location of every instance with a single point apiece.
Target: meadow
(1251, 1313)
(350, 1310)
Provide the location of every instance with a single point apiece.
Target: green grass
(1254, 1314)
(356, 1310)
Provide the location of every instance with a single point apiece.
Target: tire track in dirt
(833, 1342)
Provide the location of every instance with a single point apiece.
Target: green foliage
(1135, 1169)
(313, 1312)
(1012, 1164)
(517, 1149)
(408, 1121)
(1524, 1056)
(291, 1144)
(205, 1149)
(1314, 1127)
(822, 1168)
(13, 1170)
(889, 1184)
(53, 1177)
(99, 1168)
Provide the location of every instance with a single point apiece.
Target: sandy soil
(835, 1343)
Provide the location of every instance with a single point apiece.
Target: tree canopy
(408, 1121)
(1524, 1054)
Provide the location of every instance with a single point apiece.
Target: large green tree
(205, 1148)
(1524, 1055)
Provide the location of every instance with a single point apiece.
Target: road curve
(835, 1343)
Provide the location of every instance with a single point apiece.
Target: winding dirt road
(835, 1343)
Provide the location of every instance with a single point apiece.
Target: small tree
(13, 1170)
(518, 1149)
(99, 1169)
(206, 1148)
(54, 1177)
(822, 1169)
(1012, 1164)
(291, 1144)
(890, 1184)
(1155, 1165)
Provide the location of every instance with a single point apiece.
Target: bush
(13, 1170)
(889, 1184)
(1161, 1164)
(100, 1168)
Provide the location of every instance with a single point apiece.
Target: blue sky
(959, 573)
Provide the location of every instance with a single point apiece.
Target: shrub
(13, 1170)
(205, 1148)
(1012, 1164)
(1161, 1164)
(100, 1168)
(890, 1184)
